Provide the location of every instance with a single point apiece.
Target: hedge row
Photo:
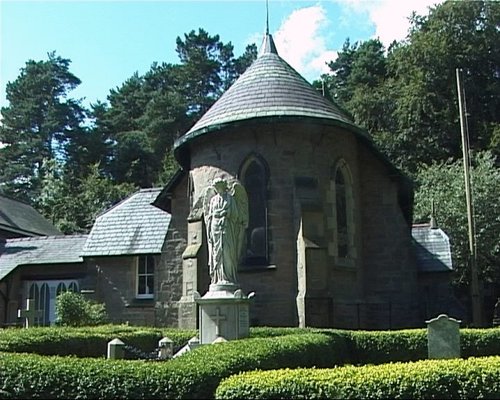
(194, 375)
(363, 347)
(429, 379)
(87, 341)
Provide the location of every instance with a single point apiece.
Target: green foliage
(194, 375)
(38, 124)
(378, 347)
(70, 163)
(72, 309)
(147, 113)
(429, 379)
(86, 341)
(443, 182)
(71, 203)
(198, 373)
(407, 99)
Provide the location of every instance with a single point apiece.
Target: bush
(73, 310)
(194, 375)
(429, 379)
(378, 347)
(198, 373)
(86, 341)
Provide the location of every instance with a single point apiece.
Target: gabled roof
(270, 87)
(21, 219)
(40, 250)
(133, 226)
(432, 249)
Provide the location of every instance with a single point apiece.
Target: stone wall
(116, 288)
(169, 271)
(390, 274)
(304, 152)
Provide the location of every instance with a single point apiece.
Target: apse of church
(328, 241)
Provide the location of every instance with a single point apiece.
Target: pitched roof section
(268, 88)
(40, 250)
(133, 226)
(432, 249)
(21, 219)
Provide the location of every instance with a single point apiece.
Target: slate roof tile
(134, 226)
(21, 218)
(269, 87)
(40, 250)
(432, 249)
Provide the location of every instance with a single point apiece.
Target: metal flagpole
(476, 300)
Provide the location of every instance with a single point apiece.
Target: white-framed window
(44, 293)
(145, 277)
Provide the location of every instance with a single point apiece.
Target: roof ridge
(16, 200)
(60, 237)
(152, 189)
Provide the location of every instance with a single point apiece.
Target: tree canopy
(70, 162)
(406, 97)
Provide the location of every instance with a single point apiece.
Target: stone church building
(329, 241)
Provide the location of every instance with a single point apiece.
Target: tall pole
(476, 300)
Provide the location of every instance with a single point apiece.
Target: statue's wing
(240, 196)
(207, 195)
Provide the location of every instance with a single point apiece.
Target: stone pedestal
(223, 313)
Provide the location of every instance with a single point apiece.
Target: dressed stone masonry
(224, 309)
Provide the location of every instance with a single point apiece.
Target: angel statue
(225, 207)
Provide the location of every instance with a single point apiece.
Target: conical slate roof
(268, 88)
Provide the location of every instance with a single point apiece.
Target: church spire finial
(267, 17)
(268, 46)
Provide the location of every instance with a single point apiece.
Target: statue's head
(220, 184)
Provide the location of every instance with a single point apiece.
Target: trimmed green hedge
(378, 347)
(87, 341)
(194, 375)
(198, 373)
(429, 379)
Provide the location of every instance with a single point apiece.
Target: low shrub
(429, 379)
(194, 375)
(479, 342)
(72, 309)
(378, 347)
(86, 341)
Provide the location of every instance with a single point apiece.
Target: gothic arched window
(343, 212)
(254, 177)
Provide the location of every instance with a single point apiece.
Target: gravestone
(443, 337)
(30, 314)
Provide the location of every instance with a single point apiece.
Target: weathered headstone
(30, 314)
(443, 337)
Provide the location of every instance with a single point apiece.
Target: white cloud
(390, 17)
(301, 42)
(303, 36)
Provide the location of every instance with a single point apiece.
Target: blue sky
(107, 41)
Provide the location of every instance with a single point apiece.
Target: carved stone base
(223, 314)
